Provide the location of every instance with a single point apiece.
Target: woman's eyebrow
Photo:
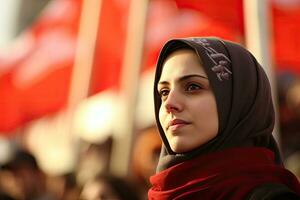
(191, 76)
(184, 78)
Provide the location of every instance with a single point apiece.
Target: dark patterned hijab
(243, 96)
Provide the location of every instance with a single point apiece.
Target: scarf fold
(230, 174)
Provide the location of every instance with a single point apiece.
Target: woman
(215, 116)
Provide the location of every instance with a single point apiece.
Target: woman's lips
(176, 124)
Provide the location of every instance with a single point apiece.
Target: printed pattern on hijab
(220, 66)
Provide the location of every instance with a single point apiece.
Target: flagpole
(84, 57)
(257, 34)
(83, 63)
(124, 127)
(8, 21)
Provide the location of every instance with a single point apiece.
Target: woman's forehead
(181, 62)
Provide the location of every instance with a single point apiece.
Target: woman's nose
(172, 103)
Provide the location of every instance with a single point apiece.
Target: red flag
(166, 20)
(36, 81)
(110, 45)
(286, 32)
(227, 12)
(35, 75)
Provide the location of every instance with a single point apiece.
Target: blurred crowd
(21, 177)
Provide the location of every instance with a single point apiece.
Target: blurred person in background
(145, 157)
(289, 116)
(8, 187)
(25, 180)
(292, 162)
(93, 160)
(8, 184)
(64, 186)
(4, 196)
(71, 189)
(214, 112)
(108, 187)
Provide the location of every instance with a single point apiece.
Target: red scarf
(229, 174)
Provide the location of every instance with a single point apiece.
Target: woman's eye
(192, 87)
(163, 92)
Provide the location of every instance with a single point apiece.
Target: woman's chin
(179, 149)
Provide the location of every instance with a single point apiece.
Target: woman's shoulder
(273, 191)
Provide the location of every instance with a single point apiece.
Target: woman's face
(188, 113)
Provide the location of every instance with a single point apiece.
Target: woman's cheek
(162, 117)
